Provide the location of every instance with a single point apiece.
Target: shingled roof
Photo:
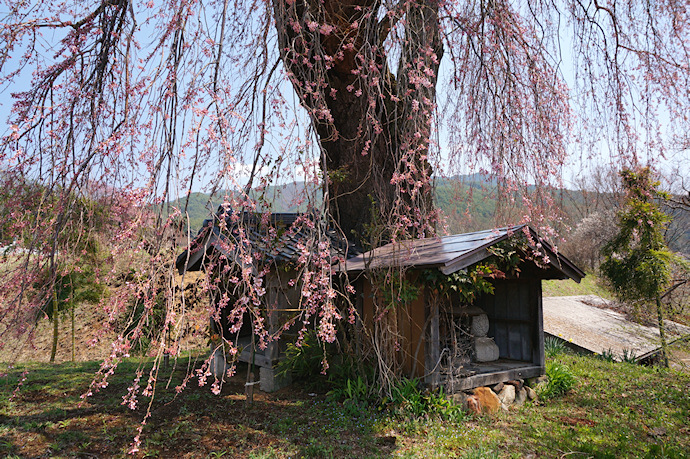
(453, 253)
(276, 237)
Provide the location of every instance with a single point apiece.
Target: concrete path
(599, 330)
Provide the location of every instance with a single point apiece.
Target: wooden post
(540, 354)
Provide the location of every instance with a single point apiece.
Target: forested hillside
(470, 203)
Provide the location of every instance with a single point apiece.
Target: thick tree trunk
(370, 123)
(373, 125)
(359, 166)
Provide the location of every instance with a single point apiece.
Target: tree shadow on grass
(193, 423)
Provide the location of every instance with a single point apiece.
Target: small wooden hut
(236, 241)
(497, 337)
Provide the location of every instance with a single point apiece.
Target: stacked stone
(490, 399)
(485, 349)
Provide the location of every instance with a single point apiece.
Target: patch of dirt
(91, 339)
(93, 334)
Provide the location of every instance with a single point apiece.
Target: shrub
(560, 380)
(304, 362)
(440, 406)
(406, 397)
(355, 394)
(349, 381)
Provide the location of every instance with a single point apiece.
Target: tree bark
(368, 120)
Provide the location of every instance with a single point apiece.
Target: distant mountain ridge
(282, 198)
(469, 202)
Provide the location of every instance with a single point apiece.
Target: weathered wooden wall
(407, 320)
(515, 318)
(514, 312)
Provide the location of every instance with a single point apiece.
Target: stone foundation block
(507, 395)
(488, 400)
(480, 325)
(485, 349)
(521, 397)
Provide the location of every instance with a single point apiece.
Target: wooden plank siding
(415, 362)
(433, 348)
(281, 303)
(410, 320)
(515, 323)
(426, 329)
(514, 318)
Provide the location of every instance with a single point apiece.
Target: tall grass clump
(607, 355)
(560, 380)
(409, 400)
(553, 347)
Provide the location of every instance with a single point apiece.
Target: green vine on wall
(475, 280)
(504, 260)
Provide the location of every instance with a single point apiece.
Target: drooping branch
(152, 102)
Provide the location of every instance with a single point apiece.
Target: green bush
(560, 380)
(440, 406)
(355, 394)
(304, 362)
(407, 398)
(350, 381)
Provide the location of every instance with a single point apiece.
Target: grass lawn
(590, 285)
(615, 410)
